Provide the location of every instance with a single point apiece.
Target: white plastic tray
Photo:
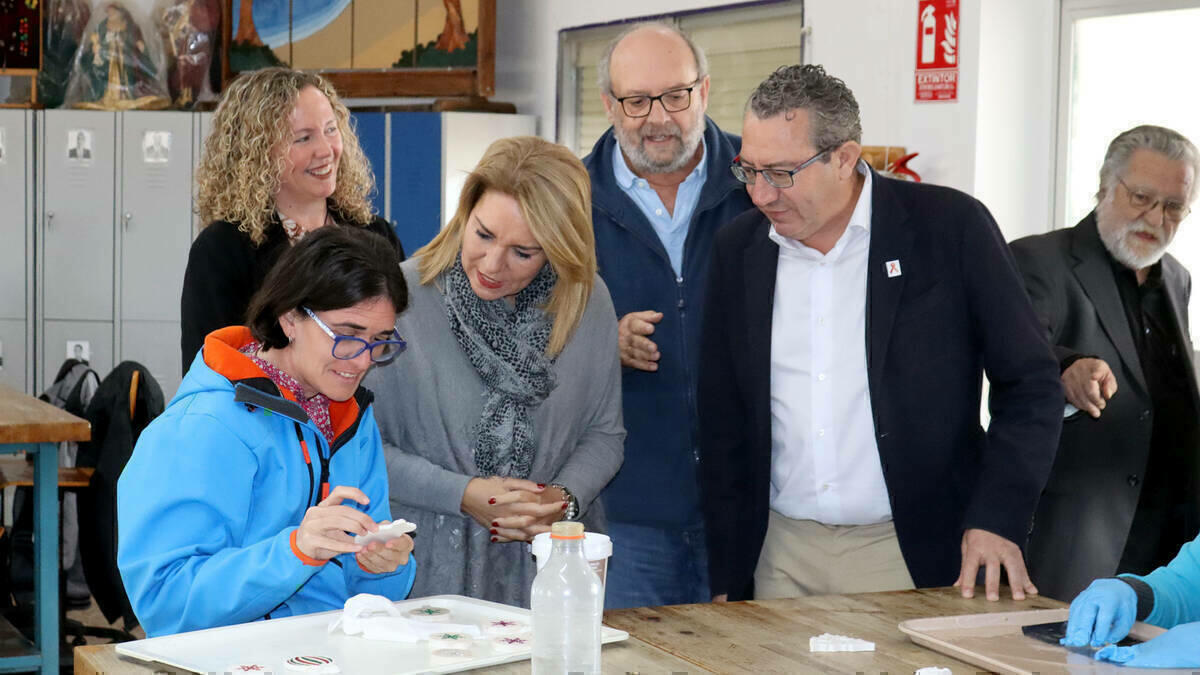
(995, 642)
(272, 642)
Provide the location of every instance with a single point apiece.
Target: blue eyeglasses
(347, 347)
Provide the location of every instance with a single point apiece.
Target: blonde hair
(554, 192)
(245, 154)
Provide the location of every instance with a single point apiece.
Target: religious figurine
(189, 30)
(64, 22)
(114, 69)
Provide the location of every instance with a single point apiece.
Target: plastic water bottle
(567, 603)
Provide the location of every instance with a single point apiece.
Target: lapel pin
(893, 268)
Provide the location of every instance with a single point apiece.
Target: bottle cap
(566, 529)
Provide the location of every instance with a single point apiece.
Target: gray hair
(603, 68)
(1167, 142)
(828, 100)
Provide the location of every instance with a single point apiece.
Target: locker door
(155, 212)
(416, 176)
(78, 158)
(16, 256)
(155, 234)
(371, 129)
(60, 338)
(202, 125)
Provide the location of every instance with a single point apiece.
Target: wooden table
(771, 636)
(36, 427)
(751, 637)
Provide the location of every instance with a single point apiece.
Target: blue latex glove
(1103, 613)
(1176, 648)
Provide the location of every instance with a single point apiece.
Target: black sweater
(225, 269)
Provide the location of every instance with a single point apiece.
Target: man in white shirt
(849, 324)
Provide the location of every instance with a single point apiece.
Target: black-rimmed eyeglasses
(346, 347)
(675, 100)
(1145, 202)
(777, 178)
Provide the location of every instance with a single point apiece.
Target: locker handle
(128, 217)
(49, 219)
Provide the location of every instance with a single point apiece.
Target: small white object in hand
(386, 533)
(827, 642)
(934, 670)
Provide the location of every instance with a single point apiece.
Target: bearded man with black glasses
(1123, 495)
(660, 189)
(851, 320)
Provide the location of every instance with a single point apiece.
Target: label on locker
(79, 146)
(156, 147)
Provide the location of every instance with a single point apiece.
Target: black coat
(956, 311)
(225, 269)
(114, 433)
(1085, 514)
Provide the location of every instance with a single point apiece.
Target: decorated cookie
(441, 657)
(505, 627)
(322, 665)
(430, 613)
(248, 668)
(512, 643)
(449, 641)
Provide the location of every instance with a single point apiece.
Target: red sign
(937, 50)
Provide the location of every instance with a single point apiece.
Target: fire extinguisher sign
(937, 50)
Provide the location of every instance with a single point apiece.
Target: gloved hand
(1103, 613)
(1176, 648)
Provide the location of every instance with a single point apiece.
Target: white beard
(631, 145)
(1117, 239)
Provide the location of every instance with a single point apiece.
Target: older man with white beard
(661, 187)
(1123, 495)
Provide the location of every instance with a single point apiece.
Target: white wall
(995, 141)
(1015, 141)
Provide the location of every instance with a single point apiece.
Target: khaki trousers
(804, 557)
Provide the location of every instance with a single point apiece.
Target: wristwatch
(572, 512)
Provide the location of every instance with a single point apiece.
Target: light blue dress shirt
(672, 228)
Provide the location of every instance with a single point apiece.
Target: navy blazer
(956, 311)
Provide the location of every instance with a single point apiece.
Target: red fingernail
(494, 540)
(564, 508)
(492, 500)
(495, 524)
(493, 531)
(541, 486)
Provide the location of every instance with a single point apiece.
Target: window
(1122, 65)
(743, 46)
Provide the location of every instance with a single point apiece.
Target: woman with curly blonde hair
(281, 160)
(506, 415)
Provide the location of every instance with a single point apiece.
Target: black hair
(333, 267)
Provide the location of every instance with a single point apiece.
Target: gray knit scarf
(507, 347)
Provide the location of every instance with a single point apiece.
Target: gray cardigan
(427, 404)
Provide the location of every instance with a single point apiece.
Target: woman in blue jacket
(1169, 597)
(268, 459)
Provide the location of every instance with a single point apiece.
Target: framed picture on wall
(369, 48)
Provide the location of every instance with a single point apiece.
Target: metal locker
(201, 126)
(77, 243)
(154, 213)
(62, 339)
(154, 344)
(15, 361)
(16, 253)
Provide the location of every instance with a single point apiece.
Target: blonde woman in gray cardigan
(504, 415)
